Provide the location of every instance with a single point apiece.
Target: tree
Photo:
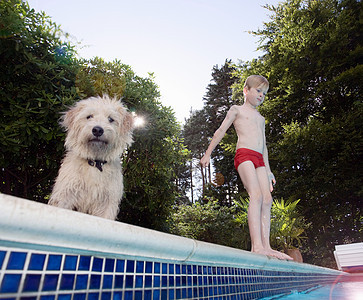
(217, 102)
(195, 133)
(199, 130)
(37, 80)
(312, 59)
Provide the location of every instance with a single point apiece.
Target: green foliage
(288, 227)
(208, 222)
(37, 76)
(287, 224)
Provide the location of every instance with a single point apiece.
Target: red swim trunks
(244, 154)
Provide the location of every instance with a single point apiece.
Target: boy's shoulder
(235, 107)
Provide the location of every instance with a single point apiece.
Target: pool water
(339, 291)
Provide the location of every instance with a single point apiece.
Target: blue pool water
(352, 290)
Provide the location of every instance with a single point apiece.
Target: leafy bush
(287, 225)
(208, 222)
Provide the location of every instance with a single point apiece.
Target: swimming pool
(51, 253)
(339, 291)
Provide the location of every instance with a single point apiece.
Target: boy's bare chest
(249, 119)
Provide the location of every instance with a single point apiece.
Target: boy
(251, 162)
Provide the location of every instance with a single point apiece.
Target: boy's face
(255, 95)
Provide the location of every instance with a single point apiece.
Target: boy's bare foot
(273, 253)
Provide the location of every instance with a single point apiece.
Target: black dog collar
(97, 163)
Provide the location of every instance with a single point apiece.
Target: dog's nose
(97, 131)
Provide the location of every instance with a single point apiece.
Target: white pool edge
(25, 221)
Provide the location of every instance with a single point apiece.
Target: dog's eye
(89, 117)
(110, 119)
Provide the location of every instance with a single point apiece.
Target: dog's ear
(127, 122)
(69, 116)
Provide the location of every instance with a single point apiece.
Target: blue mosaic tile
(67, 282)
(107, 282)
(97, 264)
(106, 296)
(129, 281)
(117, 296)
(147, 294)
(65, 297)
(54, 262)
(139, 295)
(70, 262)
(80, 296)
(148, 267)
(47, 297)
(109, 265)
(157, 268)
(164, 268)
(93, 296)
(129, 296)
(95, 282)
(156, 295)
(31, 283)
(16, 261)
(164, 281)
(36, 262)
(81, 282)
(139, 267)
(148, 281)
(84, 263)
(10, 283)
(120, 266)
(164, 294)
(2, 257)
(139, 280)
(119, 281)
(171, 294)
(156, 281)
(50, 282)
(130, 266)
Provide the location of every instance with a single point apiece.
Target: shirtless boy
(251, 162)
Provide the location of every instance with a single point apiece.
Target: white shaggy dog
(90, 178)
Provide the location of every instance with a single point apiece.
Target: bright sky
(178, 40)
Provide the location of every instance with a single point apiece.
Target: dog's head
(98, 128)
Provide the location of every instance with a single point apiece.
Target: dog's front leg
(63, 199)
(107, 212)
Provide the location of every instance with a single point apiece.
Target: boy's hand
(272, 180)
(204, 162)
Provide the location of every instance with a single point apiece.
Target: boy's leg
(248, 175)
(256, 183)
(265, 207)
(266, 214)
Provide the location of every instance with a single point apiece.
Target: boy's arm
(271, 177)
(219, 134)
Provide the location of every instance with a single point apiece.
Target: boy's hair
(254, 81)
